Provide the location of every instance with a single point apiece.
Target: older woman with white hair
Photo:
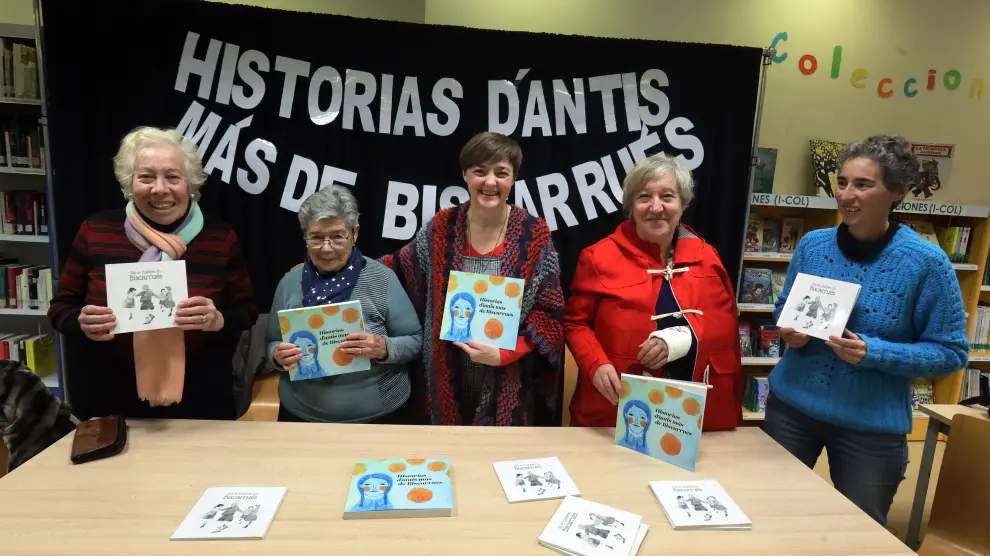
(179, 372)
(653, 299)
(335, 271)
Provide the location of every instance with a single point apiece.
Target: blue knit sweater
(909, 312)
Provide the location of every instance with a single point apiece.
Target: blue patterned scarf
(336, 287)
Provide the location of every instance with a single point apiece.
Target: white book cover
(145, 296)
(819, 307)
(699, 505)
(231, 513)
(534, 479)
(583, 528)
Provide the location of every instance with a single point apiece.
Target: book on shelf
(18, 68)
(922, 393)
(526, 480)
(21, 144)
(754, 233)
(661, 418)
(936, 165)
(36, 352)
(954, 240)
(766, 167)
(581, 527)
(319, 332)
(769, 341)
(746, 339)
(482, 307)
(976, 382)
(791, 232)
(400, 488)
(770, 236)
(979, 336)
(144, 296)
(757, 286)
(756, 392)
(231, 513)
(825, 165)
(818, 307)
(699, 505)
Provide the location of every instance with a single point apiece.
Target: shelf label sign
(800, 201)
(918, 207)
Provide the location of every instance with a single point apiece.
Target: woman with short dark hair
(476, 382)
(851, 395)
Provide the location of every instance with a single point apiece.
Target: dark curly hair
(899, 166)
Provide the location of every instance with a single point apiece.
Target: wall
(898, 39)
(20, 12)
(395, 10)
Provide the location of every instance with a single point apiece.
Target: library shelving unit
(28, 249)
(822, 212)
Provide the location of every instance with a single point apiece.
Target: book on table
(699, 505)
(319, 332)
(525, 480)
(396, 488)
(661, 418)
(231, 513)
(482, 307)
(819, 307)
(581, 527)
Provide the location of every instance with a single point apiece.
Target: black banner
(282, 103)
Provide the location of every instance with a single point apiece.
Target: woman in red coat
(653, 299)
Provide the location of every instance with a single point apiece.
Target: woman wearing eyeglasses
(335, 271)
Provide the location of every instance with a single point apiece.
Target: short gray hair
(334, 202)
(146, 136)
(901, 168)
(652, 168)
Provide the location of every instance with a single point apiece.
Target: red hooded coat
(607, 317)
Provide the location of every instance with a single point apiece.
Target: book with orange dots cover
(661, 418)
(400, 487)
(318, 331)
(482, 307)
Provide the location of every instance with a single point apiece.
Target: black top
(859, 250)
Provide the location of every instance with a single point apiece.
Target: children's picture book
(397, 488)
(318, 331)
(144, 296)
(746, 339)
(231, 513)
(661, 418)
(936, 163)
(482, 308)
(754, 233)
(771, 235)
(819, 307)
(757, 286)
(756, 392)
(791, 230)
(699, 505)
(584, 528)
(825, 165)
(525, 480)
(766, 166)
(769, 340)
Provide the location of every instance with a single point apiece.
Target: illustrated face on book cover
(637, 416)
(461, 313)
(308, 365)
(399, 484)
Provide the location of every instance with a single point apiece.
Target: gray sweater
(364, 395)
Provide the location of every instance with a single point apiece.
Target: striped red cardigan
(103, 380)
(524, 392)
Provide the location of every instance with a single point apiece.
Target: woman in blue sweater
(852, 395)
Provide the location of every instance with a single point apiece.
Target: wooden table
(130, 504)
(939, 422)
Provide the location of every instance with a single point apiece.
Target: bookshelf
(25, 187)
(822, 212)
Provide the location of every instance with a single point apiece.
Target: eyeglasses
(336, 240)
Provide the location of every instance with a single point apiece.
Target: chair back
(960, 516)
